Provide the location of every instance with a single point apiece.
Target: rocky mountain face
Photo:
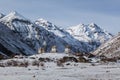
(92, 34)
(11, 44)
(76, 46)
(22, 27)
(36, 36)
(26, 37)
(1, 15)
(110, 49)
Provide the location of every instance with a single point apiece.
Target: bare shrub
(68, 64)
(42, 59)
(42, 64)
(60, 64)
(14, 63)
(36, 63)
(92, 64)
(48, 59)
(45, 59)
(75, 64)
(9, 63)
(66, 59)
(82, 59)
(2, 65)
(109, 59)
(32, 58)
(23, 64)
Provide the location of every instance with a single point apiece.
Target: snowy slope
(22, 27)
(52, 39)
(74, 71)
(92, 34)
(18, 23)
(51, 27)
(11, 44)
(32, 68)
(109, 49)
(52, 56)
(43, 33)
(63, 35)
(35, 36)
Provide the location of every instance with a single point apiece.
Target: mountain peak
(93, 24)
(43, 22)
(80, 24)
(89, 32)
(13, 15)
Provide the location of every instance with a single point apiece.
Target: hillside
(109, 49)
(92, 34)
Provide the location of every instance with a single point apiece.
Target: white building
(41, 50)
(67, 50)
(53, 49)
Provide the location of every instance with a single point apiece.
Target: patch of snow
(90, 32)
(50, 55)
(13, 15)
(82, 71)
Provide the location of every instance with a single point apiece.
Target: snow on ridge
(50, 27)
(22, 26)
(42, 20)
(109, 49)
(18, 23)
(50, 55)
(13, 15)
(46, 24)
(10, 43)
(34, 35)
(60, 33)
(89, 32)
(42, 30)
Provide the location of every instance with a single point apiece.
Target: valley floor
(73, 71)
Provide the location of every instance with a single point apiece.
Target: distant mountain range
(92, 34)
(22, 36)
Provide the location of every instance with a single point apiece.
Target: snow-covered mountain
(61, 33)
(92, 34)
(110, 49)
(35, 35)
(11, 44)
(22, 27)
(42, 33)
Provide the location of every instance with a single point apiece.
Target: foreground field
(73, 71)
(49, 67)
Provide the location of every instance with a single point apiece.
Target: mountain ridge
(110, 49)
(34, 34)
(90, 33)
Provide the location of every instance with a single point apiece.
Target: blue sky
(105, 13)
